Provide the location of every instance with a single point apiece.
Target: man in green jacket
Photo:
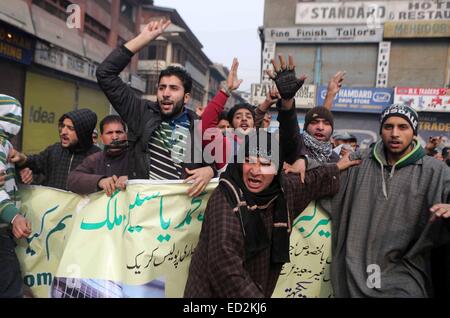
(389, 212)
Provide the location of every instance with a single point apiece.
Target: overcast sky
(226, 29)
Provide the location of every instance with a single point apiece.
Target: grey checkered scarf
(321, 151)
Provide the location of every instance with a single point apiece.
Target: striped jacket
(143, 118)
(10, 123)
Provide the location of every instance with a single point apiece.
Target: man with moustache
(161, 133)
(106, 170)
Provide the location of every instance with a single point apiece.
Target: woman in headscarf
(244, 239)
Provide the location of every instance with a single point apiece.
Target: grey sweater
(381, 217)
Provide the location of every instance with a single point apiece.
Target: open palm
(233, 82)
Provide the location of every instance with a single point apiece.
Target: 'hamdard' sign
(371, 13)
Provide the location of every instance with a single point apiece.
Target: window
(214, 85)
(126, 10)
(152, 82)
(155, 51)
(197, 92)
(96, 29)
(126, 15)
(179, 55)
(56, 8)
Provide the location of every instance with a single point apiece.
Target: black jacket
(55, 162)
(142, 116)
(292, 140)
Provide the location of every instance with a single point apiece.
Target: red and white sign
(424, 99)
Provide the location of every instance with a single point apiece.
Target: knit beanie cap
(403, 111)
(318, 112)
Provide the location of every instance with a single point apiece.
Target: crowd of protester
(389, 204)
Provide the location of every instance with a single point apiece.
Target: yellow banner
(139, 243)
(51, 213)
(308, 273)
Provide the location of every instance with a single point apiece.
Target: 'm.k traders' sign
(371, 12)
(424, 99)
(356, 99)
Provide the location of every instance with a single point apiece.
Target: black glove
(287, 83)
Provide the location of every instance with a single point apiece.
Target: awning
(55, 31)
(17, 13)
(95, 50)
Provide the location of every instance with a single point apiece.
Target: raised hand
(287, 83)
(272, 97)
(233, 82)
(150, 32)
(335, 83)
(154, 29)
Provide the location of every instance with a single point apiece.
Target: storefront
(47, 99)
(16, 52)
(58, 82)
(434, 124)
(357, 110)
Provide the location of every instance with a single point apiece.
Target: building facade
(391, 51)
(49, 52)
(177, 46)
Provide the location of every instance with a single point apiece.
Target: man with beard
(106, 170)
(161, 135)
(315, 142)
(389, 213)
(58, 160)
